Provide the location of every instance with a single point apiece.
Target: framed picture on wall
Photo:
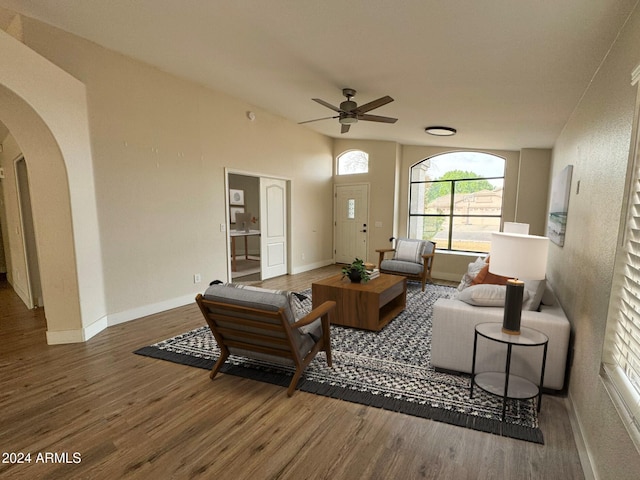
(236, 197)
(233, 211)
(559, 206)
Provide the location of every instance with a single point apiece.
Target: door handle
(365, 230)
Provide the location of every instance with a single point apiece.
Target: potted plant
(356, 271)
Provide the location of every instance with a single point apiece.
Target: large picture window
(456, 200)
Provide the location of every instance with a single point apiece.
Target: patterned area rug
(390, 369)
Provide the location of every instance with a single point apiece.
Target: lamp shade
(519, 256)
(513, 227)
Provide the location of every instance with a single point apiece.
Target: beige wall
(533, 182)
(160, 145)
(596, 142)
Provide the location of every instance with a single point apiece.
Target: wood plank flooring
(132, 417)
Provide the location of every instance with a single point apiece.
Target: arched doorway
(47, 117)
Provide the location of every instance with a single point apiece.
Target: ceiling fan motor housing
(348, 105)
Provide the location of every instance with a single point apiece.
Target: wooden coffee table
(369, 306)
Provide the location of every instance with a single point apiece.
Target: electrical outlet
(197, 278)
(303, 256)
(223, 227)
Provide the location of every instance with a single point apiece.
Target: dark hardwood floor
(120, 415)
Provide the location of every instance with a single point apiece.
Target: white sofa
(453, 330)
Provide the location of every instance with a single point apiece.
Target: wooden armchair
(412, 259)
(260, 323)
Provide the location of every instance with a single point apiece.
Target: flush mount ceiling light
(441, 131)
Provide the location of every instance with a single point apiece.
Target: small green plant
(356, 271)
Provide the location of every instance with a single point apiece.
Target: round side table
(504, 384)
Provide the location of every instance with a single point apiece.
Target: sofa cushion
(400, 266)
(252, 297)
(487, 295)
(296, 310)
(409, 250)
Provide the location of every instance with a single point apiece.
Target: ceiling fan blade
(317, 119)
(375, 104)
(326, 104)
(377, 118)
(345, 128)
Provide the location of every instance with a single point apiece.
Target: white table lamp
(514, 227)
(517, 256)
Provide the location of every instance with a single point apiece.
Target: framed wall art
(233, 211)
(236, 197)
(559, 206)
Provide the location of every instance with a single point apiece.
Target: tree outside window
(354, 161)
(456, 200)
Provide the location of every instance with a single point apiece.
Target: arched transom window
(353, 161)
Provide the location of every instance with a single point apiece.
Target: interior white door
(351, 222)
(34, 287)
(273, 227)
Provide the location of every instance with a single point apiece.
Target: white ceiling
(506, 73)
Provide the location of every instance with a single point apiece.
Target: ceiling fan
(349, 112)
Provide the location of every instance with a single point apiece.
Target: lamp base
(510, 332)
(513, 307)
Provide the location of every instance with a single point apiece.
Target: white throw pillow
(409, 250)
(536, 289)
(472, 271)
(487, 295)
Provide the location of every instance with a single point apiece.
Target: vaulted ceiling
(507, 74)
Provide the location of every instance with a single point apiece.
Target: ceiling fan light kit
(347, 120)
(349, 112)
(440, 131)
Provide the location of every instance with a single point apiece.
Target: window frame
(349, 152)
(451, 216)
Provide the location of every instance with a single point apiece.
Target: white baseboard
(64, 336)
(84, 334)
(583, 450)
(143, 311)
(95, 328)
(311, 266)
(76, 336)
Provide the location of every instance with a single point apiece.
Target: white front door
(351, 222)
(273, 227)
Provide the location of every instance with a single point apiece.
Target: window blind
(621, 359)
